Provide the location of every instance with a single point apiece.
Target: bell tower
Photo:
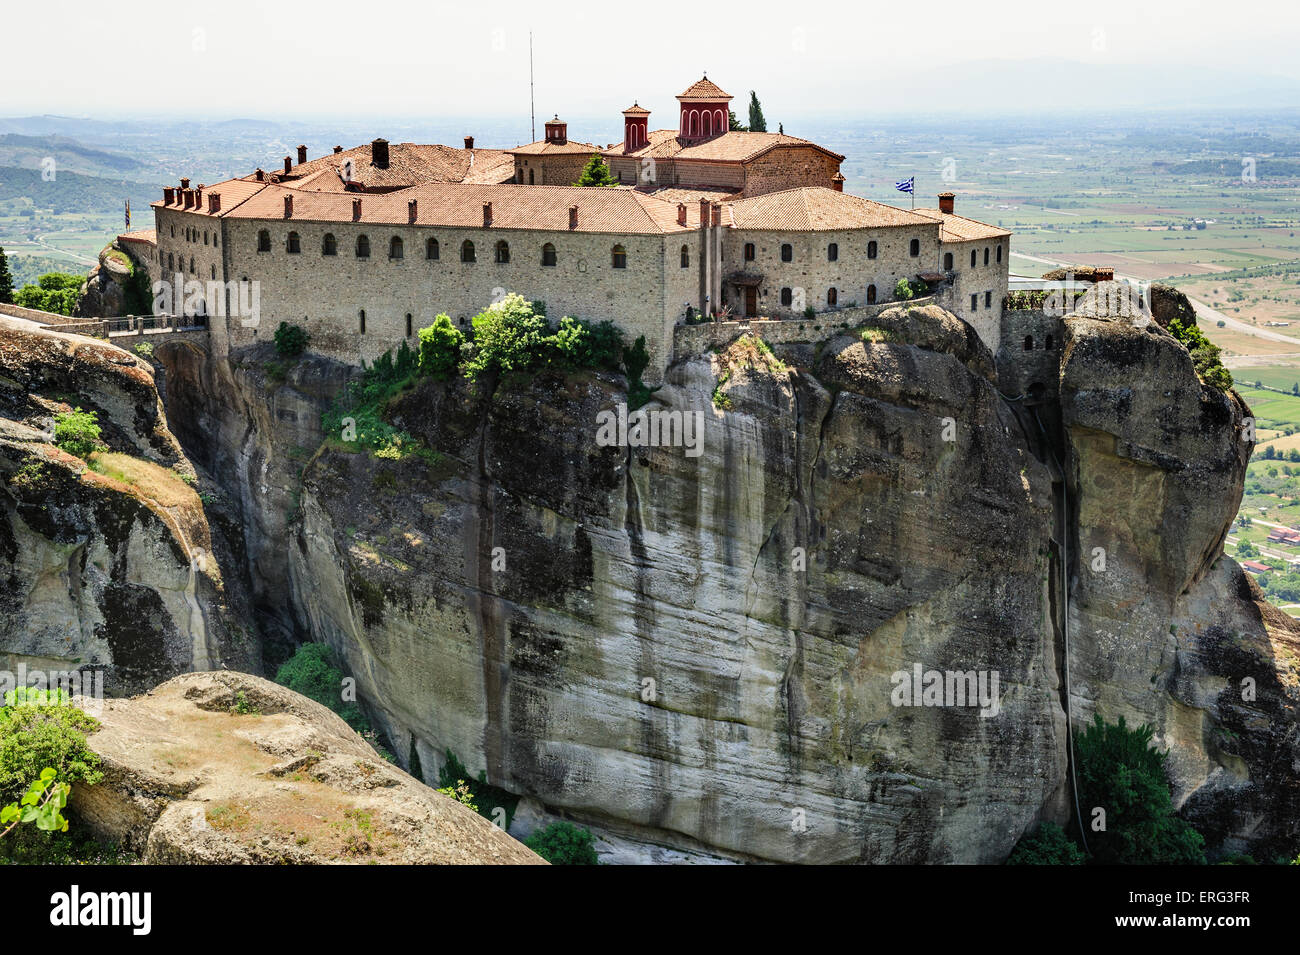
(636, 127)
(705, 110)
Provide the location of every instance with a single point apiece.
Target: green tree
(756, 121)
(903, 290)
(734, 124)
(563, 843)
(596, 173)
(636, 359)
(44, 732)
(77, 432)
(1049, 845)
(440, 347)
(313, 671)
(6, 280)
(508, 336)
(291, 340)
(1120, 772)
(56, 292)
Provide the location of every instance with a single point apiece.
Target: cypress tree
(596, 173)
(756, 121)
(6, 280)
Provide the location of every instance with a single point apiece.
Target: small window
(530, 177)
(361, 321)
(192, 268)
(292, 244)
(1048, 343)
(988, 299)
(999, 253)
(832, 297)
(213, 270)
(833, 252)
(686, 257)
(548, 255)
(1029, 343)
(914, 249)
(620, 257)
(986, 255)
(786, 297)
(363, 247)
(173, 228)
(972, 258)
(329, 245)
(975, 302)
(263, 241)
(171, 261)
(947, 261)
(205, 236)
(396, 248)
(467, 251)
(431, 249)
(503, 252)
(749, 252)
(871, 293)
(872, 249)
(408, 324)
(214, 244)
(787, 252)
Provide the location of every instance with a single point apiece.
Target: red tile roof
(816, 209)
(544, 148)
(728, 147)
(955, 228)
(703, 90)
(636, 110)
(147, 236)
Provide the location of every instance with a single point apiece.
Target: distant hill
(70, 192)
(30, 152)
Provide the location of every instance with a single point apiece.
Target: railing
(154, 324)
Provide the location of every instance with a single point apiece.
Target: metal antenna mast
(532, 102)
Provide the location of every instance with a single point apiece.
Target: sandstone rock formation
(220, 768)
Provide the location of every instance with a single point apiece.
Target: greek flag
(905, 185)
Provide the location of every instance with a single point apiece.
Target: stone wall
(976, 292)
(788, 167)
(561, 169)
(698, 339)
(1028, 356)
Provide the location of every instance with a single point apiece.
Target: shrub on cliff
(1205, 354)
(563, 843)
(77, 432)
(314, 672)
(490, 802)
(1049, 845)
(1119, 772)
(291, 340)
(509, 335)
(440, 346)
(44, 733)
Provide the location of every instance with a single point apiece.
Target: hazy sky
(242, 58)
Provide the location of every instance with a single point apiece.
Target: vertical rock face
(700, 651)
(111, 571)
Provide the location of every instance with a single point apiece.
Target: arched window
(329, 245)
(467, 251)
(396, 248)
(292, 244)
(363, 247)
(408, 324)
(173, 228)
(871, 295)
(986, 255)
(749, 252)
(947, 261)
(214, 245)
(686, 257)
(431, 249)
(787, 297)
(1048, 343)
(833, 252)
(1029, 343)
(972, 258)
(503, 252)
(787, 252)
(205, 236)
(192, 269)
(999, 253)
(531, 181)
(872, 249)
(620, 257)
(263, 241)
(213, 270)
(171, 261)
(548, 255)
(914, 248)
(361, 321)
(832, 297)
(975, 302)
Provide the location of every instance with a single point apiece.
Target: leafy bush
(42, 804)
(144, 349)
(1120, 772)
(1205, 354)
(636, 359)
(364, 402)
(55, 292)
(440, 346)
(291, 340)
(903, 289)
(77, 432)
(508, 336)
(35, 736)
(483, 797)
(1048, 845)
(596, 173)
(461, 793)
(313, 671)
(563, 843)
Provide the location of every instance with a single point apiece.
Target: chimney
(945, 202)
(356, 210)
(288, 207)
(837, 182)
(681, 213)
(337, 150)
(198, 197)
(717, 214)
(704, 213)
(302, 154)
(288, 164)
(214, 202)
(379, 153)
(169, 195)
(573, 217)
(187, 198)
(261, 176)
(469, 142)
(487, 214)
(410, 211)
(185, 183)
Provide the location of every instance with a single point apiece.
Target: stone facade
(559, 169)
(977, 290)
